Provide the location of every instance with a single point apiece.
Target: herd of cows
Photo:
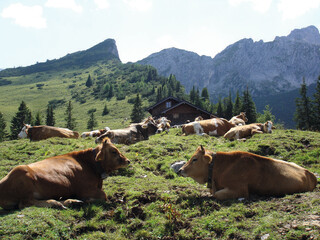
(75, 177)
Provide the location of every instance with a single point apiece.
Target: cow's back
(261, 175)
(42, 132)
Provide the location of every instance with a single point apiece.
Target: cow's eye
(194, 160)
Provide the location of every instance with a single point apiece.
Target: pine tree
(159, 94)
(220, 109)
(22, 116)
(105, 110)
(89, 82)
(38, 119)
(205, 94)
(111, 93)
(92, 122)
(316, 107)
(192, 95)
(71, 122)
(50, 119)
(237, 104)
(229, 107)
(3, 132)
(137, 111)
(249, 107)
(266, 116)
(303, 106)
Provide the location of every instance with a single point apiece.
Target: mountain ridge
(104, 51)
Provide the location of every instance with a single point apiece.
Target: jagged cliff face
(266, 67)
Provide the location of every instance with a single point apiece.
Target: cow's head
(24, 131)
(267, 127)
(162, 124)
(107, 134)
(197, 166)
(243, 116)
(148, 128)
(110, 157)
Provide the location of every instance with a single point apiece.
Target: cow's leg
(51, 203)
(255, 131)
(94, 195)
(228, 193)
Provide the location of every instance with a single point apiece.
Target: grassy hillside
(58, 87)
(149, 201)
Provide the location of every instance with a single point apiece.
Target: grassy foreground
(149, 201)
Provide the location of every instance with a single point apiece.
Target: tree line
(227, 108)
(307, 115)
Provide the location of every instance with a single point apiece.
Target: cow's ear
(106, 140)
(201, 149)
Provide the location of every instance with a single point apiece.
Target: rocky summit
(267, 68)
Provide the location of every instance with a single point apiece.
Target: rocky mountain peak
(307, 35)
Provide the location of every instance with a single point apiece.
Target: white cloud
(261, 6)
(139, 5)
(25, 16)
(102, 4)
(68, 4)
(295, 8)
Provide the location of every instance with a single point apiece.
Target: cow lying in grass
(37, 133)
(212, 127)
(95, 133)
(242, 132)
(132, 134)
(239, 120)
(238, 174)
(54, 181)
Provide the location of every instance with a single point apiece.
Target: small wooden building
(177, 111)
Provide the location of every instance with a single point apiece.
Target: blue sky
(36, 30)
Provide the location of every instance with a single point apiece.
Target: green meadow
(148, 200)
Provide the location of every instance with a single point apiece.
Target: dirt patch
(137, 212)
(147, 197)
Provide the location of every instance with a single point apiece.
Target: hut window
(168, 104)
(176, 115)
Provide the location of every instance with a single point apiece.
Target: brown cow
(212, 127)
(132, 134)
(238, 174)
(239, 120)
(53, 181)
(37, 133)
(95, 133)
(242, 132)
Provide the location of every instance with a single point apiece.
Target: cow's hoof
(73, 203)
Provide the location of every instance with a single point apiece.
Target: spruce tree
(229, 107)
(22, 116)
(105, 110)
(192, 95)
(50, 119)
(3, 132)
(303, 106)
(266, 116)
(249, 107)
(316, 107)
(89, 82)
(237, 104)
(38, 119)
(70, 121)
(220, 109)
(92, 122)
(137, 111)
(205, 94)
